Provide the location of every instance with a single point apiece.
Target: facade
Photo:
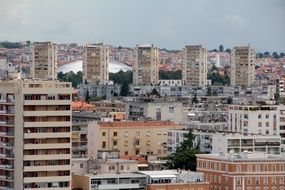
(130, 138)
(170, 82)
(242, 66)
(248, 119)
(180, 186)
(35, 124)
(109, 181)
(43, 59)
(79, 139)
(282, 126)
(238, 143)
(244, 172)
(154, 109)
(109, 106)
(145, 68)
(194, 65)
(95, 64)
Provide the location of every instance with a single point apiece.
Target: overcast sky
(166, 23)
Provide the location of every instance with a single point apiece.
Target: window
(257, 180)
(265, 180)
(103, 134)
(238, 180)
(81, 165)
(115, 134)
(259, 116)
(267, 124)
(267, 116)
(249, 168)
(259, 124)
(138, 133)
(267, 132)
(238, 168)
(103, 144)
(281, 180)
(273, 168)
(265, 168)
(126, 152)
(115, 143)
(249, 181)
(257, 168)
(273, 180)
(281, 167)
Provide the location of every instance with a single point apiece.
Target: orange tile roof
(76, 106)
(138, 124)
(140, 159)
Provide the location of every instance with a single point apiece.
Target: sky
(170, 24)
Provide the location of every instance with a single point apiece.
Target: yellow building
(130, 138)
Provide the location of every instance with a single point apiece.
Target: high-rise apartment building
(145, 68)
(35, 132)
(242, 66)
(95, 64)
(43, 58)
(194, 65)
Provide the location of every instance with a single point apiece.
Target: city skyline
(167, 25)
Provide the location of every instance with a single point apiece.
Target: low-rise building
(243, 171)
(109, 181)
(130, 138)
(109, 106)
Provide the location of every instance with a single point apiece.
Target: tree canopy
(184, 157)
(75, 79)
(168, 75)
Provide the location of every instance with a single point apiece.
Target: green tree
(266, 54)
(229, 51)
(185, 155)
(275, 55)
(259, 55)
(87, 97)
(154, 92)
(281, 55)
(94, 99)
(215, 50)
(221, 48)
(124, 89)
(167, 75)
(209, 91)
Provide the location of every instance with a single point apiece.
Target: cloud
(235, 21)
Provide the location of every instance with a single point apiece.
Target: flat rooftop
(111, 176)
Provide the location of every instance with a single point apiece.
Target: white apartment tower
(35, 132)
(242, 66)
(145, 68)
(194, 65)
(43, 58)
(95, 64)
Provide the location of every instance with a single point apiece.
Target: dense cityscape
(104, 116)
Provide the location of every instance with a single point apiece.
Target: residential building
(254, 119)
(180, 186)
(194, 65)
(43, 59)
(170, 82)
(35, 125)
(109, 106)
(242, 66)
(145, 68)
(243, 171)
(130, 138)
(159, 109)
(282, 126)
(95, 64)
(109, 181)
(238, 143)
(79, 139)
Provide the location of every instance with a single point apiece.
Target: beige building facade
(242, 66)
(35, 131)
(130, 138)
(43, 58)
(95, 64)
(194, 65)
(145, 68)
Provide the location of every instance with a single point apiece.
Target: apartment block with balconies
(242, 66)
(130, 138)
(95, 64)
(194, 65)
(35, 125)
(43, 58)
(145, 67)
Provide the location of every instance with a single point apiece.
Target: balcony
(46, 168)
(7, 134)
(47, 113)
(7, 166)
(48, 124)
(47, 102)
(46, 179)
(7, 123)
(7, 112)
(47, 157)
(47, 146)
(6, 178)
(7, 101)
(48, 188)
(6, 145)
(46, 135)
